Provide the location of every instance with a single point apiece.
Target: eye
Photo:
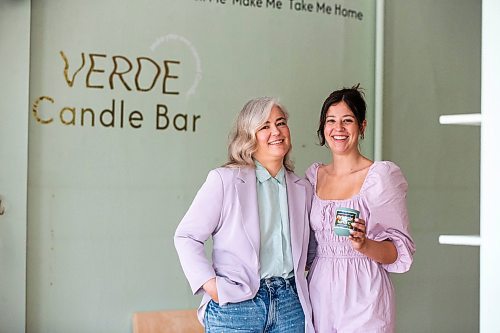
(330, 120)
(264, 127)
(348, 121)
(281, 123)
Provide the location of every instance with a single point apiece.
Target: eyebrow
(347, 115)
(279, 119)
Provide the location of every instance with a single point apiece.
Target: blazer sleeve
(200, 221)
(311, 249)
(311, 178)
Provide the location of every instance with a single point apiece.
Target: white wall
(14, 69)
(432, 67)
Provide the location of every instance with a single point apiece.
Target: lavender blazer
(226, 208)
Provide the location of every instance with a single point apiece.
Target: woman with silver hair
(257, 212)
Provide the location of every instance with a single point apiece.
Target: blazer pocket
(232, 285)
(229, 274)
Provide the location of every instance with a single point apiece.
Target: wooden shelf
(473, 119)
(471, 240)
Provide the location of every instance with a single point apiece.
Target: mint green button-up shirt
(275, 244)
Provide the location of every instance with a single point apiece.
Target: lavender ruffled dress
(349, 291)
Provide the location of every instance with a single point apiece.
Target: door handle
(2, 208)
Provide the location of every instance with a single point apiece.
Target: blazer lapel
(296, 194)
(247, 197)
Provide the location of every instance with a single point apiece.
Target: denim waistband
(277, 281)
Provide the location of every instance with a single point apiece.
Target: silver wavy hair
(243, 141)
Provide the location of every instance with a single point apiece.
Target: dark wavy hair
(353, 97)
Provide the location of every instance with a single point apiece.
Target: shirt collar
(263, 175)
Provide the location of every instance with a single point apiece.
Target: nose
(338, 126)
(275, 130)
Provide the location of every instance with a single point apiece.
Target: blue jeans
(275, 309)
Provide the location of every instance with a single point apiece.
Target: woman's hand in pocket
(210, 288)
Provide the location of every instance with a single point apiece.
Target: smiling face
(342, 130)
(273, 138)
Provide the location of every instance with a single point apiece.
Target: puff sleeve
(388, 216)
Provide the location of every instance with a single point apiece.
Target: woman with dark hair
(257, 212)
(349, 281)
